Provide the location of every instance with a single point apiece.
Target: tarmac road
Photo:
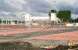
(33, 34)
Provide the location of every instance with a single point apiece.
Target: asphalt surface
(33, 34)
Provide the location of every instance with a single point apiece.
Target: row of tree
(74, 20)
(63, 15)
(9, 21)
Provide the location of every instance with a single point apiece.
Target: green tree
(0, 21)
(15, 21)
(8, 22)
(4, 21)
(19, 22)
(74, 20)
(64, 15)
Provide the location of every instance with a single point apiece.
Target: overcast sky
(36, 7)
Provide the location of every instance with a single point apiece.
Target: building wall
(53, 17)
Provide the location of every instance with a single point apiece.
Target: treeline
(10, 21)
(64, 15)
(74, 20)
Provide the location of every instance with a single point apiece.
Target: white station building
(29, 19)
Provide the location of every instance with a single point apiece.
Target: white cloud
(18, 4)
(36, 7)
(55, 3)
(74, 16)
(20, 13)
(5, 13)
